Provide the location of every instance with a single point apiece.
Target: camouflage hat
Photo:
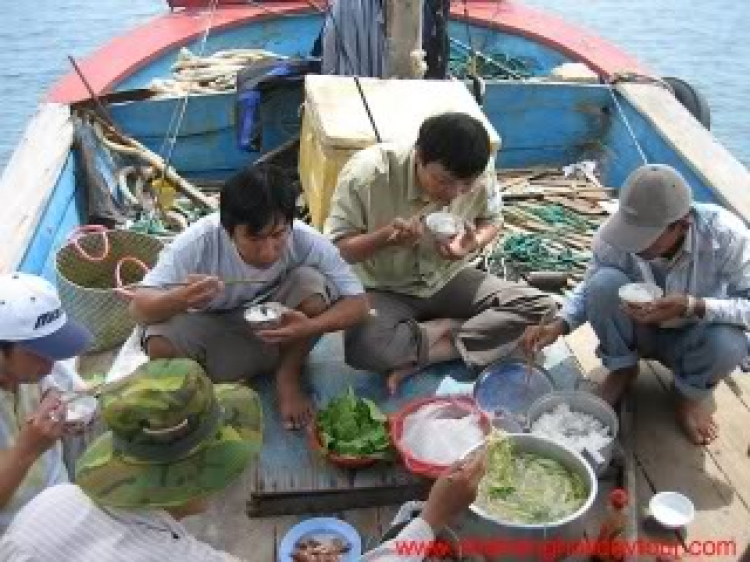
(173, 436)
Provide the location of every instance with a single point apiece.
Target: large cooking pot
(538, 541)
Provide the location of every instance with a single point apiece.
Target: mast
(403, 39)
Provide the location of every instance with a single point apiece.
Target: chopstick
(530, 357)
(418, 215)
(228, 283)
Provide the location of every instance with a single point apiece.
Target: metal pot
(587, 403)
(537, 541)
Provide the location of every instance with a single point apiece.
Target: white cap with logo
(31, 315)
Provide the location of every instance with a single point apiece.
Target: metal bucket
(544, 540)
(587, 403)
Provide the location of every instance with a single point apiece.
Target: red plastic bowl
(396, 423)
(344, 461)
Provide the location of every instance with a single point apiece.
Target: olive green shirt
(377, 185)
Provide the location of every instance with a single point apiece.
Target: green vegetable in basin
(353, 426)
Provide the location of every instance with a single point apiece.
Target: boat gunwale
(135, 49)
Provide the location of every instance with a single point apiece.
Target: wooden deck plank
(670, 462)
(729, 450)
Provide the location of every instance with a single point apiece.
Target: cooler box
(335, 124)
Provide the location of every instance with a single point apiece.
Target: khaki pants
(223, 342)
(495, 314)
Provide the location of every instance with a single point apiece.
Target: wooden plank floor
(716, 478)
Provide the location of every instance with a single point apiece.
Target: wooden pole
(403, 42)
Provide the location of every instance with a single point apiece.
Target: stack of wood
(557, 213)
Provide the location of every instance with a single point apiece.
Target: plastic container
(464, 405)
(506, 387)
(586, 403)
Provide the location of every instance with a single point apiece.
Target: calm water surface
(706, 43)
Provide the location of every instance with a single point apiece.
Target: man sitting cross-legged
(429, 303)
(252, 237)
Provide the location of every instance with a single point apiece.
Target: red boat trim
(131, 52)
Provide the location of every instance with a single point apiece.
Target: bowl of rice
(264, 316)
(638, 294)
(579, 420)
(443, 226)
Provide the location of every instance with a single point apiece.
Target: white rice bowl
(443, 226)
(639, 293)
(263, 316)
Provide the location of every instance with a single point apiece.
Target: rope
(182, 106)
(534, 252)
(624, 118)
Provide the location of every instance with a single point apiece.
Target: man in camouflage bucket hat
(174, 438)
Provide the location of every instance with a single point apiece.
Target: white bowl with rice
(639, 294)
(80, 408)
(443, 226)
(264, 316)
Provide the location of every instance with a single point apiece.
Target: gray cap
(652, 197)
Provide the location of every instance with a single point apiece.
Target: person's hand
(461, 245)
(659, 310)
(199, 291)
(43, 428)
(295, 325)
(406, 232)
(454, 491)
(536, 338)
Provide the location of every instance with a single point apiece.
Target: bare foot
(697, 421)
(616, 383)
(397, 376)
(295, 406)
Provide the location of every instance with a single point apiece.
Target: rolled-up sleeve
(347, 215)
(492, 208)
(319, 253)
(735, 270)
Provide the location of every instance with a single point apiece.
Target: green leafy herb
(354, 426)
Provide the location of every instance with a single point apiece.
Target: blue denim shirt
(714, 265)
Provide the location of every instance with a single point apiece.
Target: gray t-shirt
(206, 248)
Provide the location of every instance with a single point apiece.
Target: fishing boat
(612, 110)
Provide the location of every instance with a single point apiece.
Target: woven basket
(86, 269)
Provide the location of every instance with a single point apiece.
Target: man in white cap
(35, 334)
(699, 255)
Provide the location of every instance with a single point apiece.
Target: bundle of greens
(353, 426)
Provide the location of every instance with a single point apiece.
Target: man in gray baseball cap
(692, 264)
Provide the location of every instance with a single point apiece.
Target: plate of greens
(352, 431)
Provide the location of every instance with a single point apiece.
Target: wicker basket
(86, 269)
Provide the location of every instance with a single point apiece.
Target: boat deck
(716, 477)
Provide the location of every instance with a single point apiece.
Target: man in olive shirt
(428, 303)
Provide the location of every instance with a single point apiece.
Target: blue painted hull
(541, 123)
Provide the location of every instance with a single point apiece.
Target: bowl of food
(321, 538)
(443, 226)
(533, 486)
(671, 509)
(638, 294)
(351, 432)
(80, 408)
(433, 433)
(264, 316)
(582, 421)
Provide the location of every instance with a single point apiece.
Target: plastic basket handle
(119, 286)
(89, 229)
